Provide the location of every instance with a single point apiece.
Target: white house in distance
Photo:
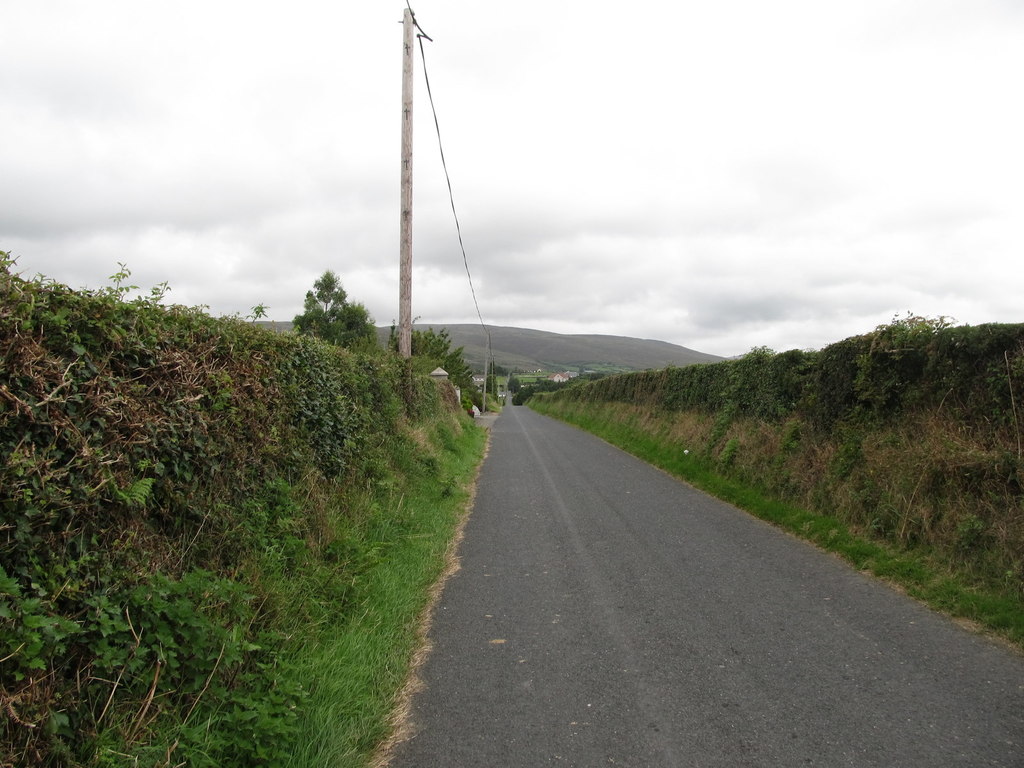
(561, 378)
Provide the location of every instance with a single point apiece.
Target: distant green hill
(526, 349)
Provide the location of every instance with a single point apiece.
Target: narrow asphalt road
(608, 615)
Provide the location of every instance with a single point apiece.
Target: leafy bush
(148, 461)
(911, 362)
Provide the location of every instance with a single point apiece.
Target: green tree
(329, 315)
(432, 349)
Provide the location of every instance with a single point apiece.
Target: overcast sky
(721, 175)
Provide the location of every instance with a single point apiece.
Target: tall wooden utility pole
(405, 232)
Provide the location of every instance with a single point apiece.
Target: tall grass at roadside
(354, 662)
(955, 588)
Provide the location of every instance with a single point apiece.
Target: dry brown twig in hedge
(8, 705)
(1013, 401)
(141, 717)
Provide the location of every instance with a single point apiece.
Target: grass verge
(355, 662)
(916, 571)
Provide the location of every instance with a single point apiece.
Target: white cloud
(720, 175)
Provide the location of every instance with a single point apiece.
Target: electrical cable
(451, 195)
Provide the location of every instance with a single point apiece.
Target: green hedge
(146, 457)
(976, 372)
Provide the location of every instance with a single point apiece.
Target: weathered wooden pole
(405, 230)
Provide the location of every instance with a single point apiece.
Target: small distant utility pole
(405, 233)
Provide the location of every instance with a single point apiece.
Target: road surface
(606, 614)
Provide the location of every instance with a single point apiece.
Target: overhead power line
(448, 181)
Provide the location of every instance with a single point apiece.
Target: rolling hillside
(526, 349)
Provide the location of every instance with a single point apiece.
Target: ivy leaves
(143, 452)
